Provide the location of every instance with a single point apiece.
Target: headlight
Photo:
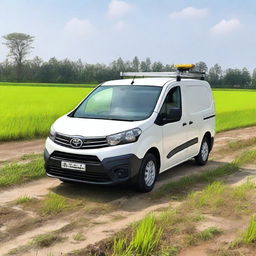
(52, 134)
(124, 137)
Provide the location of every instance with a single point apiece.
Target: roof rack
(183, 71)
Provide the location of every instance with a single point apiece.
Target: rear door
(175, 131)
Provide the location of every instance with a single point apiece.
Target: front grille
(88, 143)
(79, 175)
(57, 155)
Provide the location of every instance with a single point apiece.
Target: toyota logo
(76, 143)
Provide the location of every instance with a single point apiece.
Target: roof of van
(146, 81)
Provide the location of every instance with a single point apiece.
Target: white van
(133, 129)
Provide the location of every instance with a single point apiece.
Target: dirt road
(107, 209)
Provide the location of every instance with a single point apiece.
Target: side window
(172, 108)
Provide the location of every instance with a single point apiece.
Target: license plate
(73, 166)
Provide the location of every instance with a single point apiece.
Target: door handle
(190, 122)
(184, 124)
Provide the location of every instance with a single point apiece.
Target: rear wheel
(147, 174)
(202, 157)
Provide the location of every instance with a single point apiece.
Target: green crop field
(29, 111)
(47, 84)
(235, 108)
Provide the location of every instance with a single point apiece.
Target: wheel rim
(204, 151)
(150, 173)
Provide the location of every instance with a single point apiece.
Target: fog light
(121, 173)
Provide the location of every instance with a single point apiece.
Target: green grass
(20, 173)
(46, 240)
(235, 108)
(29, 109)
(39, 241)
(144, 239)
(53, 204)
(235, 145)
(47, 84)
(249, 235)
(205, 235)
(208, 233)
(30, 156)
(28, 112)
(187, 182)
(23, 200)
(79, 236)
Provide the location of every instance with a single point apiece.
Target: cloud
(79, 27)
(189, 13)
(225, 27)
(119, 9)
(120, 26)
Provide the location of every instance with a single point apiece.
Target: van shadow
(127, 192)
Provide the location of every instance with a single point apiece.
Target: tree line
(17, 67)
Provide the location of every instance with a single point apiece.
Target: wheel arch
(209, 138)
(156, 153)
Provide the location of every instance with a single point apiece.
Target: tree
(246, 77)
(135, 64)
(237, 77)
(157, 67)
(169, 68)
(145, 66)
(201, 66)
(19, 45)
(215, 75)
(254, 78)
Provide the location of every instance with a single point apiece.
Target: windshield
(126, 102)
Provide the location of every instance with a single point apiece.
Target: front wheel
(202, 157)
(147, 174)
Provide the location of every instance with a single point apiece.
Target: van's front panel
(99, 166)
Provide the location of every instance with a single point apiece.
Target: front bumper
(111, 170)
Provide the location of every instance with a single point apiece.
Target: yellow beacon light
(184, 66)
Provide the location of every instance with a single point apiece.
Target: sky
(99, 31)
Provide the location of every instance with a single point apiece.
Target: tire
(147, 174)
(202, 157)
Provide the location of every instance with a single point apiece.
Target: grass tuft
(208, 196)
(23, 200)
(240, 144)
(46, 240)
(79, 236)
(170, 251)
(208, 233)
(239, 192)
(144, 239)
(205, 235)
(53, 204)
(249, 235)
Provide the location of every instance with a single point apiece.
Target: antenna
(132, 82)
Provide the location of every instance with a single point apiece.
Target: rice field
(28, 111)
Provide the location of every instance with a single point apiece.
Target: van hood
(94, 127)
